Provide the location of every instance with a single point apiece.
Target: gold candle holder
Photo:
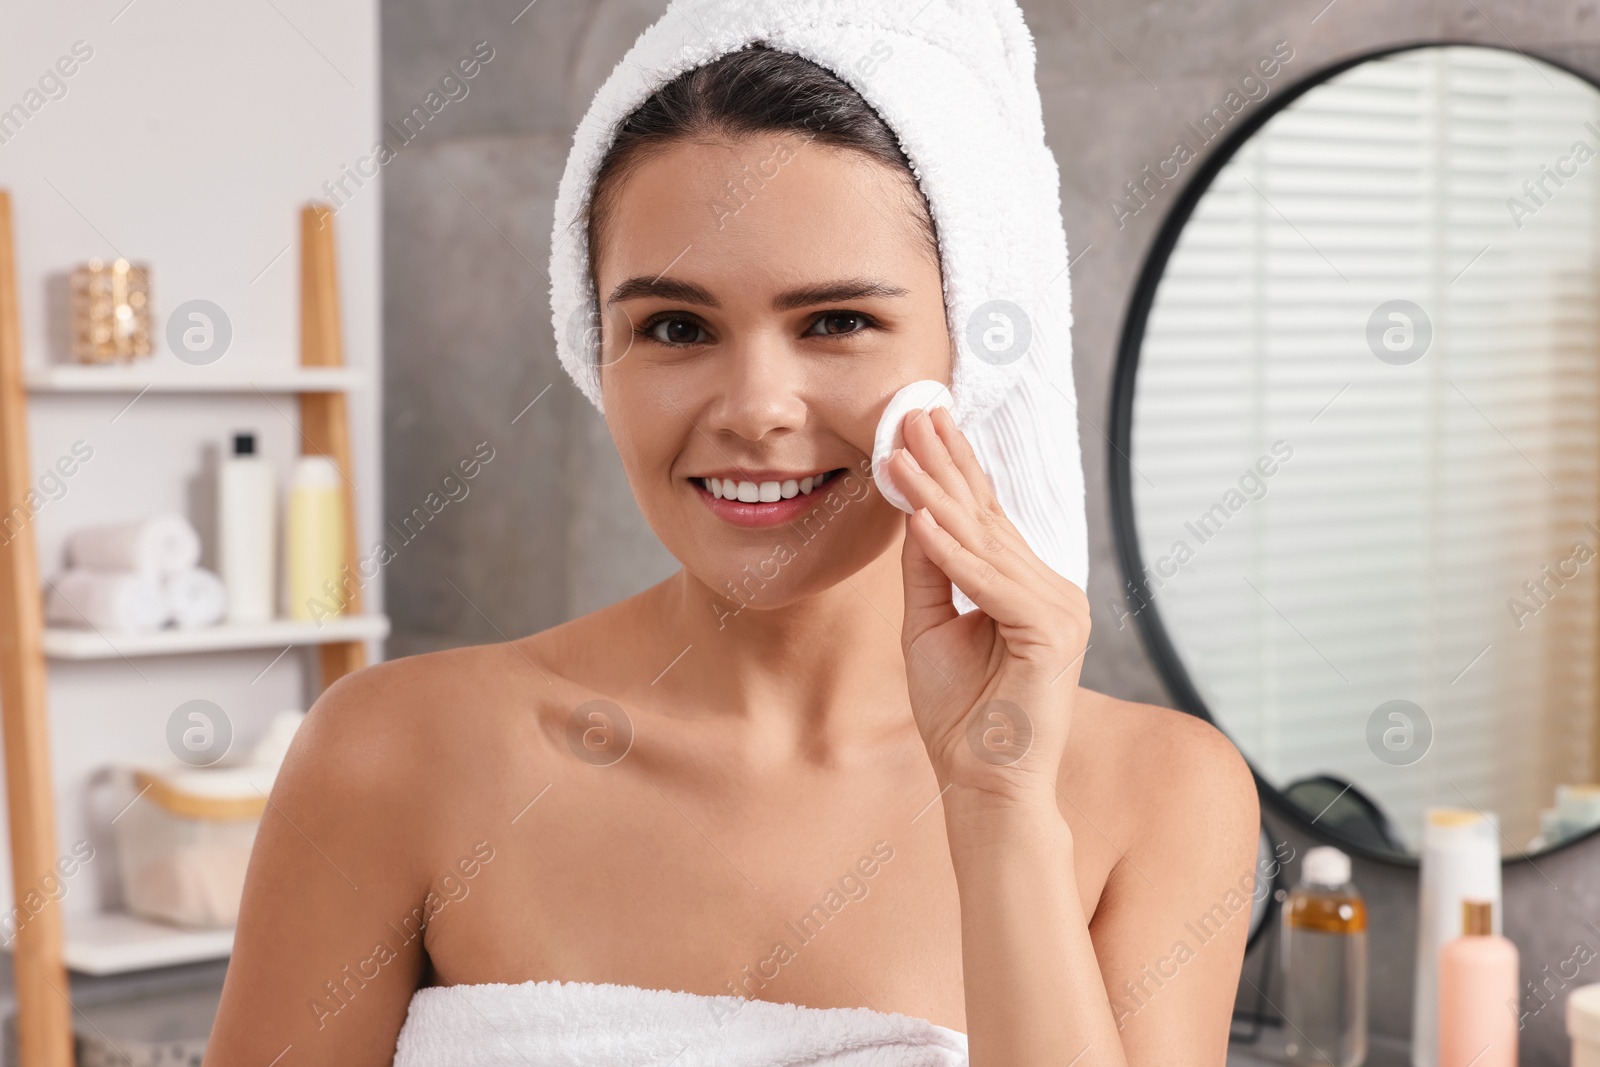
(110, 312)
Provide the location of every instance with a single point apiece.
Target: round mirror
(1356, 469)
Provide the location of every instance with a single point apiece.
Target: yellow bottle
(315, 541)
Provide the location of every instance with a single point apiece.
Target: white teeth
(763, 492)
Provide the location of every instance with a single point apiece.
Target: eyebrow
(822, 293)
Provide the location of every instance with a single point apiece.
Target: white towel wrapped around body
(195, 597)
(107, 600)
(585, 1024)
(160, 544)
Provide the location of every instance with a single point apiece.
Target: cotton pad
(927, 395)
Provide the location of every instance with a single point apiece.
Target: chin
(787, 566)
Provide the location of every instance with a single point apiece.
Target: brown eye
(840, 322)
(673, 331)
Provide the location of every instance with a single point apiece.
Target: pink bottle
(1478, 993)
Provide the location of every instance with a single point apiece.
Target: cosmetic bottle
(315, 539)
(246, 524)
(1460, 861)
(1583, 1025)
(1478, 993)
(1325, 964)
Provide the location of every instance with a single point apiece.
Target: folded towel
(195, 597)
(603, 1025)
(107, 600)
(160, 544)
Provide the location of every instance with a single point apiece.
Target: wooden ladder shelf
(44, 1006)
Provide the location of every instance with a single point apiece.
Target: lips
(751, 500)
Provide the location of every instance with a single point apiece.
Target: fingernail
(912, 460)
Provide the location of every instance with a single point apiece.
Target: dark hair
(757, 89)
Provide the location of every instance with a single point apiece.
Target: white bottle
(246, 526)
(1460, 861)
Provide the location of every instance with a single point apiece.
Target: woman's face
(761, 300)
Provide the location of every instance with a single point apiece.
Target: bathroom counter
(1267, 1051)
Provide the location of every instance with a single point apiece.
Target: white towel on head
(160, 544)
(107, 600)
(958, 89)
(586, 1024)
(195, 597)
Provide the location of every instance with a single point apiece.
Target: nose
(759, 390)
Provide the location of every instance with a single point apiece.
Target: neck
(821, 673)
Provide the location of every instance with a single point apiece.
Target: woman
(793, 772)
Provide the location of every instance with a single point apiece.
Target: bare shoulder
(414, 731)
(1171, 774)
(446, 709)
(417, 706)
(1183, 806)
(394, 776)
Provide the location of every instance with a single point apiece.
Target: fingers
(976, 517)
(988, 534)
(1002, 599)
(932, 453)
(929, 601)
(962, 455)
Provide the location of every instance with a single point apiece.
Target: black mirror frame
(1158, 645)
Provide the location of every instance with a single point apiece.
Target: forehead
(768, 207)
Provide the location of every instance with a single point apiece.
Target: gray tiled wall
(550, 530)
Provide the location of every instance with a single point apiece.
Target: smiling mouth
(752, 492)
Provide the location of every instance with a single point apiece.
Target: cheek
(850, 399)
(645, 439)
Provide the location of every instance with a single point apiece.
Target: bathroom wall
(188, 136)
(550, 530)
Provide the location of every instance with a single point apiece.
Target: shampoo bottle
(316, 540)
(1460, 861)
(1325, 964)
(1478, 993)
(246, 522)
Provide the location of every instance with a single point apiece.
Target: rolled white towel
(107, 600)
(195, 597)
(161, 544)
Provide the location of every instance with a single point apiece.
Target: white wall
(189, 139)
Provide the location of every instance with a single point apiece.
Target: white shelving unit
(113, 943)
(65, 643)
(230, 378)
